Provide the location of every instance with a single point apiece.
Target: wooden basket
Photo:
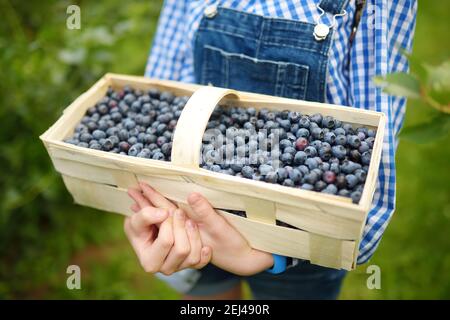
(330, 227)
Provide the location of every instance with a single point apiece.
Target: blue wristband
(279, 264)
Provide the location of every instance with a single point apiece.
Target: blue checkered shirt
(385, 28)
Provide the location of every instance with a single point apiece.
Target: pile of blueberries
(131, 122)
(311, 152)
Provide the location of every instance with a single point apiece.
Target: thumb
(202, 211)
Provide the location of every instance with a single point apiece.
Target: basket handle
(191, 125)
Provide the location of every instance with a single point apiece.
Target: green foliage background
(44, 66)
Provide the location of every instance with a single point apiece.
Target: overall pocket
(241, 72)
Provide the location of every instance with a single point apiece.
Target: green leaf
(399, 84)
(438, 77)
(429, 131)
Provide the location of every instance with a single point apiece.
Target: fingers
(155, 197)
(153, 255)
(135, 207)
(205, 258)
(148, 216)
(196, 245)
(203, 212)
(137, 196)
(181, 248)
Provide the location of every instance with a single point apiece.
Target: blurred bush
(45, 66)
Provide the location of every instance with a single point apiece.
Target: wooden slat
(290, 242)
(261, 236)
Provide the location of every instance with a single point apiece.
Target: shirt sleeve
(169, 46)
(386, 27)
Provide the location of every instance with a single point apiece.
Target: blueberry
(344, 193)
(370, 141)
(290, 150)
(324, 166)
(294, 116)
(348, 166)
(341, 182)
(328, 122)
(132, 140)
(215, 168)
(102, 109)
(316, 144)
(161, 140)
(95, 146)
(124, 146)
(85, 137)
(285, 143)
(133, 151)
(264, 169)
(288, 183)
(304, 122)
(317, 133)
(354, 155)
(319, 185)
(287, 158)
(316, 118)
(339, 151)
(304, 170)
(330, 189)
(329, 177)
(341, 140)
(114, 139)
(311, 163)
(360, 174)
(247, 172)
(271, 177)
(302, 133)
(144, 153)
(339, 131)
(351, 180)
(301, 144)
(311, 178)
(365, 157)
(330, 137)
(354, 141)
(282, 174)
(363, 147)
(334, 167)
(107, 145)
(300, 158)
(361, 136)
(325, 153)
(92, 126)
(295, 175)
(307, 186)
(356, 196)
(237, 165)
(83, 144)
(129, 98)
(166, 148)
(348, 128)
(158, 155)
(310, 151)
(123, 135)
(129, 124)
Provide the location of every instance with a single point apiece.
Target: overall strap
(333, 6)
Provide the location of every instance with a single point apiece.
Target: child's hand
(163, 238)
(231, 251)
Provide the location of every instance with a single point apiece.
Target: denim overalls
(280, 57)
